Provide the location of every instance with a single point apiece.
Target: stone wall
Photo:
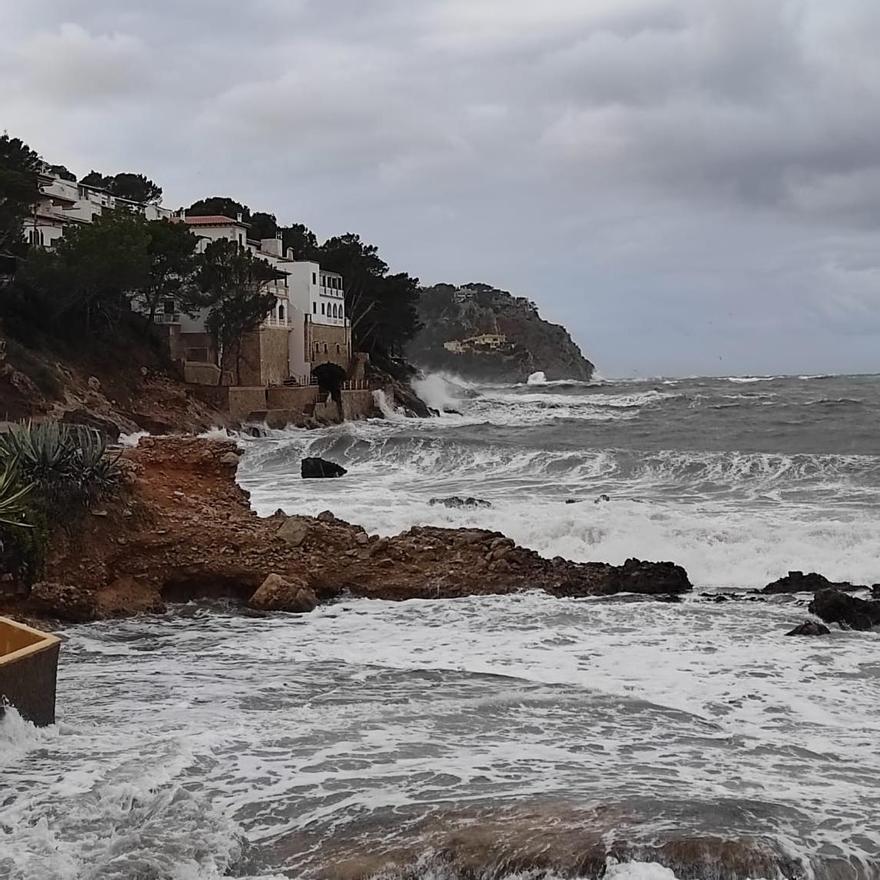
(326, 342)
(296, 397)
(358, 405)
(264, 358)
(245, 400)
(201, 374)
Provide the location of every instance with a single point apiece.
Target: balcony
(274, 321)
(167, 317)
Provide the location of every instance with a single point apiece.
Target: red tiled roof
(212, 220)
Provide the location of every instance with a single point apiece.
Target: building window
(325, 348)
(314, 277)
(322, 309)
(168, 306)
(314, 308)
(338, 349)
(281, 313)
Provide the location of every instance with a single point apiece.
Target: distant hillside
(480, 332)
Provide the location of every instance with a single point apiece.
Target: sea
(518, 737)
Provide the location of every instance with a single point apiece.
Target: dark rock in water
(601, 498)
(314, 468)
(798, 582)
(574, 500)
(648, 578)
(451, 412)
(668, 597)
(458, 501)
(875, 591)
(834, 606)
(810, 628)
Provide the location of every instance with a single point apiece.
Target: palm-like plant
(12, 498)
(67, 465)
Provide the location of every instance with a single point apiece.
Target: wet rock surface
(834, 606)
(457, 501)
(317, 468)
(798, 582)
(185, 530)
(810, 628)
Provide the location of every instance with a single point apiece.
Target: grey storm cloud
(689, 185)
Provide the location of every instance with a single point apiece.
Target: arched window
(338, 349)
(325, 348)
(281, 312)
(34, 237)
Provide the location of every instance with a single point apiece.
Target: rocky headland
(183, 529)
(480, 332)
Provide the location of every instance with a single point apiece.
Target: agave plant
(68, 465)
(13, 497)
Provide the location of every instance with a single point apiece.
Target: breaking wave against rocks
(516, 736)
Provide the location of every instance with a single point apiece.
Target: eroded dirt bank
(184, 530)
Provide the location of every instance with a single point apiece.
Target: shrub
(68, 466)
(13, 497)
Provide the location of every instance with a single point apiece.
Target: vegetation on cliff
(485, 333)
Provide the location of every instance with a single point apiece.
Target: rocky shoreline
(184, 530)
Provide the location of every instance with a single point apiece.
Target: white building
(309, 301)
(64, 203)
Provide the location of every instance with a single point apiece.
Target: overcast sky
(690, 186)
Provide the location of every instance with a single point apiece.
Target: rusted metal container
(28, 670)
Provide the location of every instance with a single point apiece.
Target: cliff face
(484, 333)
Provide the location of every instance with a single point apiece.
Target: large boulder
(650, 578)
(63, 602)
(315, 468)
(810, 628)
(284, 594)
(798, 582)
(850, 612)
(293, 531)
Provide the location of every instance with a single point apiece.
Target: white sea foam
(132, 440)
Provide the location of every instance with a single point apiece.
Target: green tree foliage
(219, 205)
(62, 172)
(234, 282)
(96, 179)
(262, 225)
(126, 185)
(19, 191)
(382, 307)
(171, 250)
(301, 240)
(136, 188)
(86, 282)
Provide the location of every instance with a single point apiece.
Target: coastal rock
(63, 601)
(850, 612)
(184, 530)
(457, 501)
(284, 594)
(316, 468)
(810, 628)
(798, 582)
(294, 531)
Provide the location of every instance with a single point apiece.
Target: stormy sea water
(517, 736)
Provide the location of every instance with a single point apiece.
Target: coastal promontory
(480, 332)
